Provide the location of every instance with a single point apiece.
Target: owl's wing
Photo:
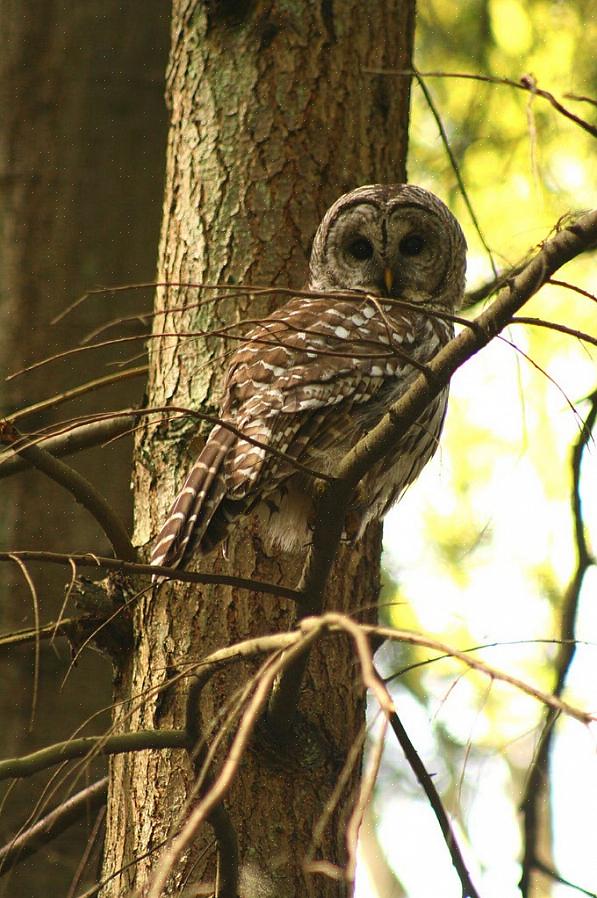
(309, 362)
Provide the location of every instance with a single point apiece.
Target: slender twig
(116, 564)
(554, 326)
(334, 500)
(573, 287)
(533, 801)
(52, 825)
(78, 486)
(70, 627)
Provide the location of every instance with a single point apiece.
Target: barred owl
(319, 372)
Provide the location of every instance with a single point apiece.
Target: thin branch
(70, 627)
(92, 843)
(548, 871)
(426, 783)
(532, 804)
(334, 500)
(455, 167)
(226, 775)
(573, 287)
(527, 83)
(140, 740)
(74, 440)
(554, 326)
(35, 601)
(78, 486)
(75, 392)
(52, 825)
(116, 564)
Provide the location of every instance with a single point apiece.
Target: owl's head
(394, 240)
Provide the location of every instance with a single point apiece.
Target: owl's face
(390, 240)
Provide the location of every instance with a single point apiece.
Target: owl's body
(318, 373)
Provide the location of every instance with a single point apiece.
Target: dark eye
(360, 249)
(412, 245)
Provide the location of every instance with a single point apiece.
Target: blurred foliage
(481, 550)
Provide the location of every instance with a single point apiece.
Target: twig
(116, 564)
(426, 783)
(554, 326)
(79, 487)
(75, 392)
(335, 498)
(224, 778)
(419, 76)
(35, 601)
(91, 844)
(140, 740)
(52, 825)
(76, 438)
(533, 801)
(526, 83)
(70, 627)
(548, 871)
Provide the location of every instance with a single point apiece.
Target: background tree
(82, 136)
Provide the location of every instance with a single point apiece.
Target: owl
(314, 376)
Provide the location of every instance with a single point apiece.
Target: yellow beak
(388, 279)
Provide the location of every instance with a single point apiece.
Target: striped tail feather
(196, 503)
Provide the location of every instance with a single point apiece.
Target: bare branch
(224, 778)
(116, 564)
(78, 486)
(419, 76)
(81, 390)
(52, 825)
(527, 83)
(333, 503)
(426, 783)
(35, 601)
(554, 326)
(73, 440)
(141, 740)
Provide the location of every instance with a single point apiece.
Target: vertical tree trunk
(272, 117)
(82, 139)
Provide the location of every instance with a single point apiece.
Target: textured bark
(82, 140)
(271, 119)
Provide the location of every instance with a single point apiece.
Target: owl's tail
(196, 503)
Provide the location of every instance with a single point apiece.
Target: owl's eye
(360, 249)
(412, 245)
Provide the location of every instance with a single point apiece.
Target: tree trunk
(272, 117)
(82, 139)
